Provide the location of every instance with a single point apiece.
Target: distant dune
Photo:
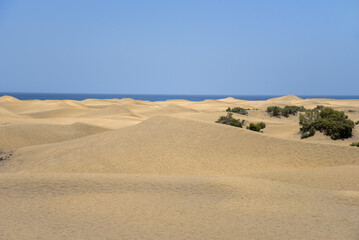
(128, 169)
(286, 98)
(111, 110)
(20, 135)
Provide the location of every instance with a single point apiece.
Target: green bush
(238, 110)
(306, 120)
(292, 110)
(355, 144)
(319, 107)
(261, 125)
(309, 133)
(357, 122)
(256, 126)
(225, 119)
(334, 124)
(229, 120)
(277, 111)
(331, 122)
(274, 111)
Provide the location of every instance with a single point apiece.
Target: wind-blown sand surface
(128, 169)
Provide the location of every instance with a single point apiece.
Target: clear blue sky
(180, 47)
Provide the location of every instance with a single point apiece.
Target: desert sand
(131, 169)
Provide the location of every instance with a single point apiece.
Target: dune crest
(8, 98)
(286, 98)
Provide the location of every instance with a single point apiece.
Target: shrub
(261, 125)
(308, 133)
(331, 122)
(225, 119)
(357, 122)
(229, 120)
(334, 124)
(256, 126)
(276, 111)
(319, 107)
(306, 120)
(355, 144)
(238, 110)
(236, 123)
(292, 110)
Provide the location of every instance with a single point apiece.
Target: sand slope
(334, 178)
(14, 136)
(167, 145)
(96, 206)
(112, 110)
(165, 170)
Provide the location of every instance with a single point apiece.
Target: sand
(128, 169)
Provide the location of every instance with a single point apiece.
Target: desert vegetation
(276, 111)
(355, 144)
(238, 110)
(331, 122)
(230, 120)
(257, 127)
(319, 107)
(357, 122)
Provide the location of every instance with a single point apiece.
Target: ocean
(154, 97)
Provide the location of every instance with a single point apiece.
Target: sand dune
(165, 170)
(334, 178)
(112, 110)
(172, 146)
(288, 98)
(169, 109)
(7, 98)
(58, 113)
(35, 106)
(112, 206)
(14, 136)
(7, 114)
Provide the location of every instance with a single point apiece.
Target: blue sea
(154, 97)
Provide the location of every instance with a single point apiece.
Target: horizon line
(176, 94)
